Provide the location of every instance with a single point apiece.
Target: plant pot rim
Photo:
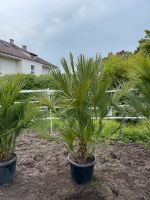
(82, 165)
(8, 162)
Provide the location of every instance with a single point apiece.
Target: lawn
(118, 131)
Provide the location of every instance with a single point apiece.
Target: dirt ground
(122, 172)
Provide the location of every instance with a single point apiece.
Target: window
(32, 69)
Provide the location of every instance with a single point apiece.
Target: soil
(122, 172)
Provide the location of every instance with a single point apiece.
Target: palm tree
(83, 103)
(13, 116)
(140, 75)
(136, 93)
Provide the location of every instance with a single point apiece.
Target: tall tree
(144, 44)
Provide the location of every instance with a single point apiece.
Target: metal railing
(50, 93)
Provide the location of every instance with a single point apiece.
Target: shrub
(31, 81)
(115, 68)
(45, 81)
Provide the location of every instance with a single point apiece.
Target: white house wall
(45, 70)
(9, 65)
(26, 67)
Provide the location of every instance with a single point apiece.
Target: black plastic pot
(81, 173)
(8, 170)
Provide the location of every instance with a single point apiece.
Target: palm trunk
(82, 152)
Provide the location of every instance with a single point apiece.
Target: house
(14, 59)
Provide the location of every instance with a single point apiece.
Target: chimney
(24, 47)
(11, 41)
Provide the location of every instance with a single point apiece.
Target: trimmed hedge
(31, 81)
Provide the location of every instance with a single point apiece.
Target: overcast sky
(53, 28)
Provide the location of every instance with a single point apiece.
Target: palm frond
(13, 116)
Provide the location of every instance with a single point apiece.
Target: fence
(50, 93)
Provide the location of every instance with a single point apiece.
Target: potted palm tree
(13, 118)
(82, 102)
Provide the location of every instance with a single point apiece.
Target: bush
(45, 81)
(31, 81)
(115, 68)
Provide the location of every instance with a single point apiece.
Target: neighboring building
(14, 59)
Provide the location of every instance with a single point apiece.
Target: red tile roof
(13, 50)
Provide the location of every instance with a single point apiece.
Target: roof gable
(13, 50)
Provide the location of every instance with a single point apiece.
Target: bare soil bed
(122, 172)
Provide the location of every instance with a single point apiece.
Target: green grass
(113, 131)
(126, 132)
